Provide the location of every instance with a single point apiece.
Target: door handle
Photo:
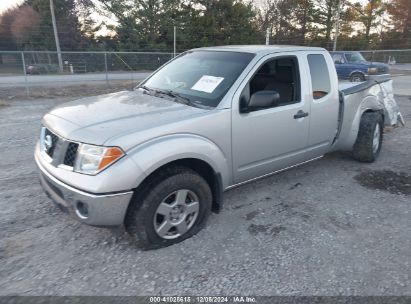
(300, 114)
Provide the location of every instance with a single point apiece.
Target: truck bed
(349, 88)
(356, 98)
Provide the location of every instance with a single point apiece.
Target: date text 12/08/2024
(201, 299)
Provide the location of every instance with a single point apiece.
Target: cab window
(280, 75)
(320, 76)
(338, 58)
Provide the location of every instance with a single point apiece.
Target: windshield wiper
(147, 89)
(177, 97)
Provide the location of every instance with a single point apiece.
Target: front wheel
(357, 77)
(173, 206)
(369, 140)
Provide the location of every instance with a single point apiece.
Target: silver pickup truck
(158, 159)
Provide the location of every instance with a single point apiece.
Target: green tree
(303, 18)
(369, 16)
(143, 24)
(220, 22)
(400, 13)
(148, 24)
(325, 16)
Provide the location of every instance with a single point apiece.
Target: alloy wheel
(176, 214)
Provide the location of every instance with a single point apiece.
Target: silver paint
(240, 147)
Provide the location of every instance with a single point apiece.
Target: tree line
(148, 25)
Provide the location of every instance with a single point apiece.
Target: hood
(378, 64)
(370, 63)
(382, 68)
(96, 119)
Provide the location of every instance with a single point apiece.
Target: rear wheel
(369, 140)
(173, 206)
(357, 77)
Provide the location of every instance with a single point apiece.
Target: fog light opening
(82, 210)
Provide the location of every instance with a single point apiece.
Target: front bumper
(88, 208)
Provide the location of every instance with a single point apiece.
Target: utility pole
(337, 24)
(174, 44)
(267, 36)
(56, 36)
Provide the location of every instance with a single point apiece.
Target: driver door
(271, 139)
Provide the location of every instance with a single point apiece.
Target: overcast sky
(5, 4)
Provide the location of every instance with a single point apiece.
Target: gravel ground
(331, 227)
(63, 90)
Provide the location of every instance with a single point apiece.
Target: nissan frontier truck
(158, 159)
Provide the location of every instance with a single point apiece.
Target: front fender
(155, 153)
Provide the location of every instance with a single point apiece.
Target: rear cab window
(320, 76)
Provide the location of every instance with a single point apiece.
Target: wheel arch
(199, 166)
(366, 149)
(357, 72)
(381, 111)
(367, 107)
(350, 128)
(194, 152)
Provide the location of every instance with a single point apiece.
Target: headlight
(372, 71)
(93, 159)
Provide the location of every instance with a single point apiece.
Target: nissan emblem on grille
(49, 141)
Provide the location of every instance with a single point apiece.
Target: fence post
(25, 74)
(105, 65)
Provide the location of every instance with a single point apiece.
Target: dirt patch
(256, 229)
(251, 215)
(276, 230)
(3, 103)
(295, 186)
(266, 229)
(386, 180)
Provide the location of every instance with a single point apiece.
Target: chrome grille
(58, 150)
(71, 153)
(382, 70)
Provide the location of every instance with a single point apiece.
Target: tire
(357, 77)
(367, 147)
(163, 212)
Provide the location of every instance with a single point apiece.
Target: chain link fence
(14, 62)
(31, 70)
(393, 57)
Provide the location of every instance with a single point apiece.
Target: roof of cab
(261, 49)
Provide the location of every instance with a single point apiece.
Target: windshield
(201, 77)
(354, 57)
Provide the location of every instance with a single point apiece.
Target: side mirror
(263, 100)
